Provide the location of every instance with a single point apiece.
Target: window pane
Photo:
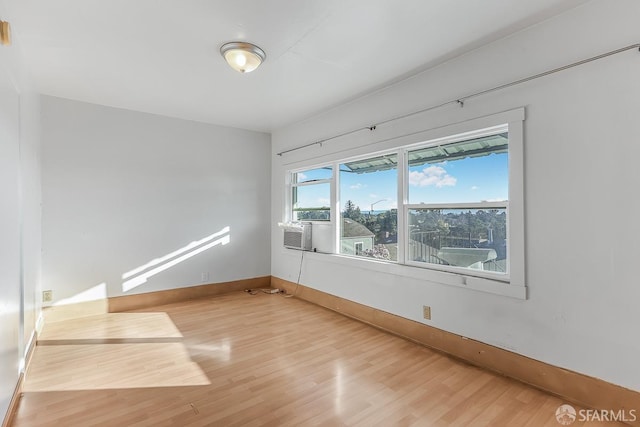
(368, 193)
(461, 172)
(311, 202)
(312, 175)
(469, 238)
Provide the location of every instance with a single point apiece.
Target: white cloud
(301, 176)
(323, 201)
(433, 175)
(357, 186)
(373, 196)
(474, 188)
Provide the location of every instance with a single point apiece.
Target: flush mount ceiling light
(243, 57)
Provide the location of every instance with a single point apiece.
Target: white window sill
(479, 284)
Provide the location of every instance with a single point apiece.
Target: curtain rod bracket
(460, 102)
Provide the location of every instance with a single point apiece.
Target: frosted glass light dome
(242, 57)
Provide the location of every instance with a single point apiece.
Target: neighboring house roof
(351, 229)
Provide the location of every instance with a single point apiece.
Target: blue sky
(467, 180)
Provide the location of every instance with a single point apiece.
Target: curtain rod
(460, 101)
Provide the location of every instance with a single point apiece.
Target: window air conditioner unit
(297, 235)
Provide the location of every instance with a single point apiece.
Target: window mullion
(336, 216)
(401, 201)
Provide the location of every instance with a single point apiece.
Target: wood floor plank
(259, 360)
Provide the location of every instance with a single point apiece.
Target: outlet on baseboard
(426, 312)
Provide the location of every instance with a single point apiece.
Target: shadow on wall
(139, 275)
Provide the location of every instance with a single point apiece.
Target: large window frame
(509, 283)
(479, 205)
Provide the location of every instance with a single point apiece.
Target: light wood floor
(258, 360)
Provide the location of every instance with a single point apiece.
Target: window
(467, 238)
(311, 194)
(450, 204)
(368, 195)
(359, 248)
(457, 208)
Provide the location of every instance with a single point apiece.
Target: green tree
(313, 214)
(388, 224)
(352, 211)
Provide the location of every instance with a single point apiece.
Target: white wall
(581, 196)
(123, 189)
(10, 232)
(31, 213)
(19, 216)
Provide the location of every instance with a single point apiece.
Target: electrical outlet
(426, 312)
(47, 296)
(205, 276)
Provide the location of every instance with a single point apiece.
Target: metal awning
(374, 164)
(477, 147)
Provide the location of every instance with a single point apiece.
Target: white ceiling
(161, 56)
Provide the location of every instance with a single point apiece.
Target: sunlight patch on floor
(112, 366)
(112, 351)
